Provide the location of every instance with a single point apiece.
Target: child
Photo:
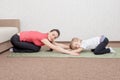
(97, 45)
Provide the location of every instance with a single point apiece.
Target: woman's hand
(58, 48)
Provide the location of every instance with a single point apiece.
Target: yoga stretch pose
(96, 44)
(32, 41)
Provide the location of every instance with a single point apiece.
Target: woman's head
(53, 34)
(75, 43)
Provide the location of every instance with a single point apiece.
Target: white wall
(79, 18)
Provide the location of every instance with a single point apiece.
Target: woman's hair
(72, 41)
(56, 31)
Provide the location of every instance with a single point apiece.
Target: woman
(32, 41)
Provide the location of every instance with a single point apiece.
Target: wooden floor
(114, 44)
(59, 68)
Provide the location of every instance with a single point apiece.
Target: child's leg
(19, 46)
(101, 48)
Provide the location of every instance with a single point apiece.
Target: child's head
(75, 43)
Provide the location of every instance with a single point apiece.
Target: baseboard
(114, 41)
(69, 41)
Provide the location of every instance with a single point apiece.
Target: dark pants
(101, 48)
(19, 46)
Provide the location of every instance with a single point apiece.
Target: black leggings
(19, 46)
(101, 48)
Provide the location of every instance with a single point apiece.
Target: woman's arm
(58, 48)
(65, 46)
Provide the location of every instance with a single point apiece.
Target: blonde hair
(72, 41)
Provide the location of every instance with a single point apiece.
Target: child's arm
(78, 50)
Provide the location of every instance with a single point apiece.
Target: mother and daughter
(32, 41)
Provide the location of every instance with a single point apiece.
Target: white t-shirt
(91, 43)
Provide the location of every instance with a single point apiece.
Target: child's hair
(72, 41)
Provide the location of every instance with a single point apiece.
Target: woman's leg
(19, 46)
(27, 47)
(101, 48)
